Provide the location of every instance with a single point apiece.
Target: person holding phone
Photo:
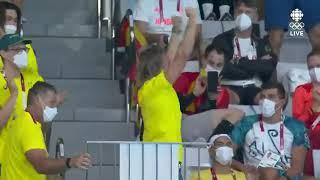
(202, 93)
(199, 92)
(249, 59)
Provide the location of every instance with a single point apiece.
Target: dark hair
(211, 48)
(280, 88)
(150, 64)
(39, 89)
(275, 85)
(248, 3)
(6, 6)
(314, 52)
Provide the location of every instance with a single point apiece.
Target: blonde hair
(150, 64)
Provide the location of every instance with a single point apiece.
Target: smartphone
(213, 81)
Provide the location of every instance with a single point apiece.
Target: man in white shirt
(271, 132)
(153, 18)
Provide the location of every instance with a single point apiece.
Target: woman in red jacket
(306, 107)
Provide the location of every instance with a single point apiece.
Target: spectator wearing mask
(271, 131)
(157, 71)
(249, 60)
(10, 24)
(205, 111)
(191, 87)
(221, 154)
(26, 153)
(13, 89)
(277, 19)
(306, 108)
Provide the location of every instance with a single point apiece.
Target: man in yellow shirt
(26, 155)
(11, 102)
(221, 154)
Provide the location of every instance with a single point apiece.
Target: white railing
(149, 161)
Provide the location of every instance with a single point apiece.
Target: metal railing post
(60, 153)
(99, 18)
(106, 10)
(113, 51)
(127, 100)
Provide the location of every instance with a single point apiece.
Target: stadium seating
(71, 57)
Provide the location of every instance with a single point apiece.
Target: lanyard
(237, 44)
(23, 86)
(315, 123)
(281, 134)
(214, 175)
(161, 9)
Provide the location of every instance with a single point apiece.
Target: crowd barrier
(151, 161)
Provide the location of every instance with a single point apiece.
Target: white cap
(243, 22)
(215, 137)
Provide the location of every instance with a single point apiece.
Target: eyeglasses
(19, 50)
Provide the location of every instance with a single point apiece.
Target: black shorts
(246, 94)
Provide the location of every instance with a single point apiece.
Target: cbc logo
(296, 16)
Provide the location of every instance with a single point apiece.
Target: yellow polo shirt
(24, 134)
(160, 109)
(206, 175)
(31, 76)
(4, 97)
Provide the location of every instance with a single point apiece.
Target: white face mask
(49, 113)
(209, 68)
(243, 22)
(268, 108)
(224, 155)
(10, 29)
(315, 74)
(21, 59)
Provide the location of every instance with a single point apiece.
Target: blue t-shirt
(247, 134)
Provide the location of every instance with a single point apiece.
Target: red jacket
(302, 102)
(302, 110)
(184, 85)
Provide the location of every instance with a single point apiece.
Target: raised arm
(10, 73)
(8, 108)
(185, 48)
